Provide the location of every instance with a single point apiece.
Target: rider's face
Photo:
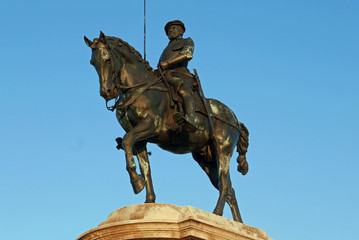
(174, 32)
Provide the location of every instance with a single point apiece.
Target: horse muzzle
(109, 94)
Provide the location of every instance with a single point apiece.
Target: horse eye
(108, 60)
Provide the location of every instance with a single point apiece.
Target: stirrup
(182, 121)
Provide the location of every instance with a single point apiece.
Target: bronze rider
(174, 61)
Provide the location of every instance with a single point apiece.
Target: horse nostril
(108, 92)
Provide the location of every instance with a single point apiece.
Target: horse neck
(134, 74)
(132, 71)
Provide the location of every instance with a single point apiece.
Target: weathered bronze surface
(149, 109)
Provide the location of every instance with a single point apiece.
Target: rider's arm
(176, 60)
(186, 54)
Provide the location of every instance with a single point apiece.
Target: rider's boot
(187, 121)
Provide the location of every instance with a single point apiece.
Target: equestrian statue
(167, 107)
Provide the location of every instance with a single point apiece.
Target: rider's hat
(174, 22)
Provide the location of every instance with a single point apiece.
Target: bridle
(115, 76)
(121, 89)
(113, 107)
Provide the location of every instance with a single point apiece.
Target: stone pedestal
(163, 222)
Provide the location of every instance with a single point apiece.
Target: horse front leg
(142, 156)
(137, 181)
(142, 131)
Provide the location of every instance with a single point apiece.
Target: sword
(209, 114)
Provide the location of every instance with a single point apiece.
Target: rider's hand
(163, 65)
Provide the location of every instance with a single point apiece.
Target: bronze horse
(144, 110)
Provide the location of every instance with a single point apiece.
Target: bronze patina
(147, 105)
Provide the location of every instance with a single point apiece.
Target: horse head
(107, 64)
(119, 65)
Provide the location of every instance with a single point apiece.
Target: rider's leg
(185, 91)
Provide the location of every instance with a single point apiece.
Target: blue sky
(288, 69)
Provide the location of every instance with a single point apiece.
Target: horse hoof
(150, 201)
(119, 141)
(138, 185)
(218, 212)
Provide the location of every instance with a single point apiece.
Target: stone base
(163, 222)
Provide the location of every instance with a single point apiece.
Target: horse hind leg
(233, 204)
(207, 159)
(207, 163)
(204, 159)
(223, 184)
(227, 194)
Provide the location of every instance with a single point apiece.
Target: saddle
(177, 101)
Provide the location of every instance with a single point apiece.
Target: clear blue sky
(288, 69)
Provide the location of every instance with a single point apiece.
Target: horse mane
(119, 41)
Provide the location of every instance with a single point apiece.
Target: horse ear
(103, 38)
(88, 41)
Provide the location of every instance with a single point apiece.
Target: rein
(134, 97)
(143, 87)
(124, 89)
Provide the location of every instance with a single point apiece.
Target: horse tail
(242, 146)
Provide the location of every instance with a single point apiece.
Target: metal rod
(144, 30)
